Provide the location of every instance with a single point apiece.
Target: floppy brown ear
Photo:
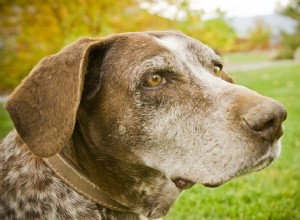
(43, 107)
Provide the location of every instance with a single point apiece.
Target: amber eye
(217, 70)
(155, 80)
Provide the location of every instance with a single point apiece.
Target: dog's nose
(265, 119)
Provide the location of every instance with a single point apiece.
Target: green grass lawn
(246, 57)
(273, 193)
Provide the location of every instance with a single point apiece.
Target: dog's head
(148, 114)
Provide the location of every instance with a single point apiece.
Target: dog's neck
(68, 166)
(79, 182)
(132, 185)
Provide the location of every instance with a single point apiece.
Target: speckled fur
(30, 190)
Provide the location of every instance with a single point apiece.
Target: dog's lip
(211, 185)
(262, 164)
(182, 183)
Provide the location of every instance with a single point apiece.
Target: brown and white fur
(140, 144)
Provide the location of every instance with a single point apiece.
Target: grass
(5, 122)
(248, 57)
(273, 193)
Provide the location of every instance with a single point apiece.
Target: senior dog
(117, 127)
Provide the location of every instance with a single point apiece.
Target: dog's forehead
(189, 49)
(154, 43)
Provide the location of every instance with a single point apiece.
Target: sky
(239, 8)
(232, 8)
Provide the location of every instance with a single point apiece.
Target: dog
(117, 127)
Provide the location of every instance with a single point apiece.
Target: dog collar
(68, 173)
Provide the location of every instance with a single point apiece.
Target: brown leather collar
(68, 173)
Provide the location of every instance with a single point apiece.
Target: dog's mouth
(182, 184)
(209, 185)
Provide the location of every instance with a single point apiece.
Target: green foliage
(285, 53)
(30, 30)
(259, 37)
(217, 33)
(291, 41)
(292, 10)
(273, 193)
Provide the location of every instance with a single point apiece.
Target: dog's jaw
(212, 176)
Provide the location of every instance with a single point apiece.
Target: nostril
(265, 119)
(256, 126)
(259, 123)
(267, 125)
(263, 127)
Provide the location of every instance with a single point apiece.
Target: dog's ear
(43, 107)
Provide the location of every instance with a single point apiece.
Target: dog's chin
(216, 182)
(224, 179)
(260, 164)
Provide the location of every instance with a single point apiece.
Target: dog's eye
(155, 80)
(217, 70)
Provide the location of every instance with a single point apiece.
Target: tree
(30, 30)
(291, 41)
(217, 33)
(259, 36)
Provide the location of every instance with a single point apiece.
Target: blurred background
(259, 42)
(32, 29)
